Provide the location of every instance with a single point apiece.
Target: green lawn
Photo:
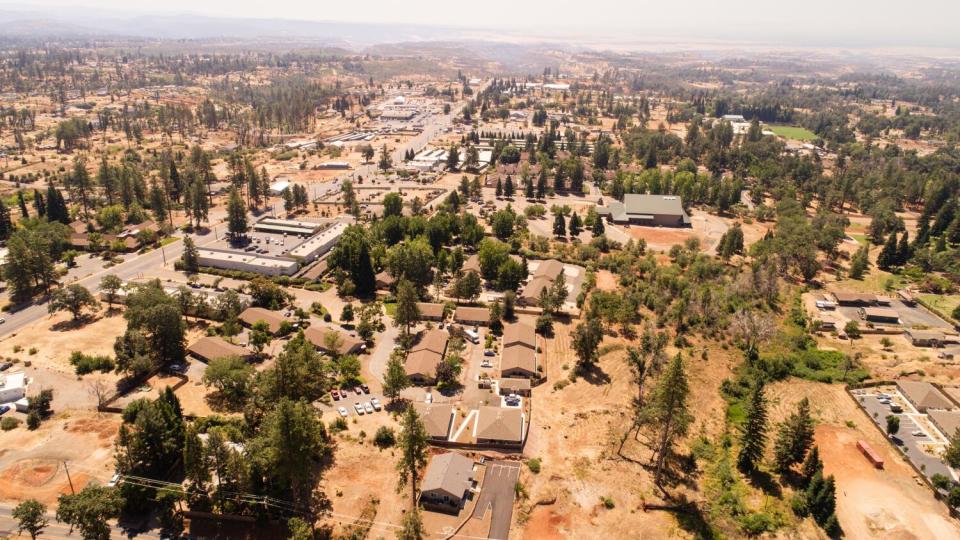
(862, 238)
(942, 303)
(793, 132)
(390, 308)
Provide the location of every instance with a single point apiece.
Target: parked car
(368, 407)
(376, 404)
(4, 409)
(6, 366)
(335, 394)
(918, 433)
(896, 408)
(489, 352)
(342, 411)
(177, 368)
(2, 321)
(114, 480)
(357, 390)
(357, 407)
(428, 398)
(365, 388)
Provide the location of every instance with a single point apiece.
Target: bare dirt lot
(871, 503)
(576, 432)
(32, 462)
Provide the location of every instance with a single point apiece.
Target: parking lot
(915, 432)
(499, 484)
(261, 243)
(351, 401)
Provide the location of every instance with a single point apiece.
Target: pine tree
(395, 379)
(754, 431)
(559, 226)
(888, 256)
(38, 203)
(811, 466)
(667, 411)
(794, 437)
(860, 262)
(499, 190)
(190, 257)
(412, 445)
(528, 189)
(6, 226)
(542, 183)
(236, 215)
(576, 226)
(23, 205)
(598, 227)
(903, 249)
(508, 187)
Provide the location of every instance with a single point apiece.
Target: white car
(368, 407)
(376, 404)
(428, 398)
(918, 433)
(114, 480)
(343, 412)
(358, 407)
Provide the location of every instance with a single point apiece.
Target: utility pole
(72, 492)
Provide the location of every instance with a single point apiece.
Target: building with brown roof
(948, 422)
(520, 387)
(430, 311)
(346, 343)
(478, 316)
(252, 315)
(847, 298)
(519, 334)
(447, 483)
(518, 361)
(923, 395)
(209, 348)
(881, 315)
(437, 419)
(530, 295)
(384, 281)
(472, 264)
(500, 426)
(550, 269)
(425, 356)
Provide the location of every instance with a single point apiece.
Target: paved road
(132, 267)
(57, 530)
(497, 493)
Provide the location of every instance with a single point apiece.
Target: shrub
(534, 465)
(9, 423)
(757, 524)
(384, 437)
(83, 364)
(607, 503)
(33, 420)
(941, 482)
(338, 424)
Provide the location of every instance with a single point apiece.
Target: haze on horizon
(922, 23)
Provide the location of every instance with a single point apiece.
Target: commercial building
(447, 483)
(880, 315)
(930, 338)
(924, 395)
(652, 210)
(948, 422)
(854, 299)
(246, 262)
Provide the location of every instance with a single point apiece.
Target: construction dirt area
(706, 228)
(34, 464)
(871, 503)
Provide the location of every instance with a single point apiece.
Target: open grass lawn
(942, 303)
(862, 238)
(793, 132)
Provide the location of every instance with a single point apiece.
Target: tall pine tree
(754, 438)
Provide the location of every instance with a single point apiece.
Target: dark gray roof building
(641, 209)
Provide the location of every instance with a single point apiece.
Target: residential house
(437, 419)
(425, 356)
(209, 348)
(447, 483)
(477, 316)
(322, 337)
(500, 426)
(253, 315)
(430, 311)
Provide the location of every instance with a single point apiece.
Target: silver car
(358, 407)
(343, 411)
(368, 407)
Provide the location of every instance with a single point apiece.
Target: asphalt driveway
(497, 493)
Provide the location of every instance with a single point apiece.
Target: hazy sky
(921, 22)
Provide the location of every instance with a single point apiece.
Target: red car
(335, 394)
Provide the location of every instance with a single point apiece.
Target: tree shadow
(73, 324)
(594, 375)
(765, 481)
(397, 405)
